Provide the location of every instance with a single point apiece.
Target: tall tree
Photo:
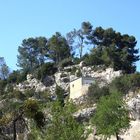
(63, 125)
(77, 38)
(114, 49)
(58, 48)
(4, 69)
(32, 53)
(111, 116)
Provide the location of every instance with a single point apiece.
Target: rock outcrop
(30, 83)
(84, 114)
(134, 107)
(106, 75)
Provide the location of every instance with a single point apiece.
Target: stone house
(79, 86)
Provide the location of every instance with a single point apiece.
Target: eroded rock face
(62, 79)
(134, 107)
(107, 75)
(84, 114)
(31, 83)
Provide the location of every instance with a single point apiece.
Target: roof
(87, 77)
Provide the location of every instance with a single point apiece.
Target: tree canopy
(113, 49)
(32, 53)
(58, 48)
(111, 115)
(107, 47)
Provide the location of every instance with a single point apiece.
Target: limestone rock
(134, 107)
(30, 83)
(84, 114)
(107, 75)
(62, 79)
(81, 64)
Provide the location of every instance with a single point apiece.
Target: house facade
(79, 86)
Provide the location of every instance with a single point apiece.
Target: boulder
(84, 114)
(82, 64)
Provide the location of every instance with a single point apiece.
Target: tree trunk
(117, 137)
(14, 130)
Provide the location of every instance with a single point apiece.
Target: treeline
(43, 56)
(95, 46)
(107, 47)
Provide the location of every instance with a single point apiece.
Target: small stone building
(79, 86)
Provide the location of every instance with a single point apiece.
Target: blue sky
(20, 19)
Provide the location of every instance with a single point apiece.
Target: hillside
(31, 92)
(60, 92)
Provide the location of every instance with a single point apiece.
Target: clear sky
(20, 19)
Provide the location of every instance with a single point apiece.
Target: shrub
(111, 115)
(63, 126)
(29, 93)
(126, 83)
(19, 95)
(95, 92)
(60, 95)
(76, 60)
(73, 70)
(45, 69)
(65, 62)
(17, 77)
(3, 84)
(79, 73)
(31, 107)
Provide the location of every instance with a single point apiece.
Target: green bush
(3, 84)
(126, 83)
(73, 70)
(79, 73)
(111, 115)
(19, 95)
(63, 126)
(45, 69)
(95, 93)
(17, 77)
(29, 93)
(65, 62)
(76, 60)
(60, 94)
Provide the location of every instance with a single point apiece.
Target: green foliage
(65, 62)
(58, 48)
(3, 84)
(60, 94)
(31, 107)
(39, 118)
(111, 115)
(44, 70)
(44, 96)
(17, 77)
(29, 93)
(126, 83)
(63, 126)
(79, 73)
(32, 53)
(76, 60)
(32, 110)
(113, 49)
(73, 70)
(4, 69)
(95, 92)
(19, 95)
